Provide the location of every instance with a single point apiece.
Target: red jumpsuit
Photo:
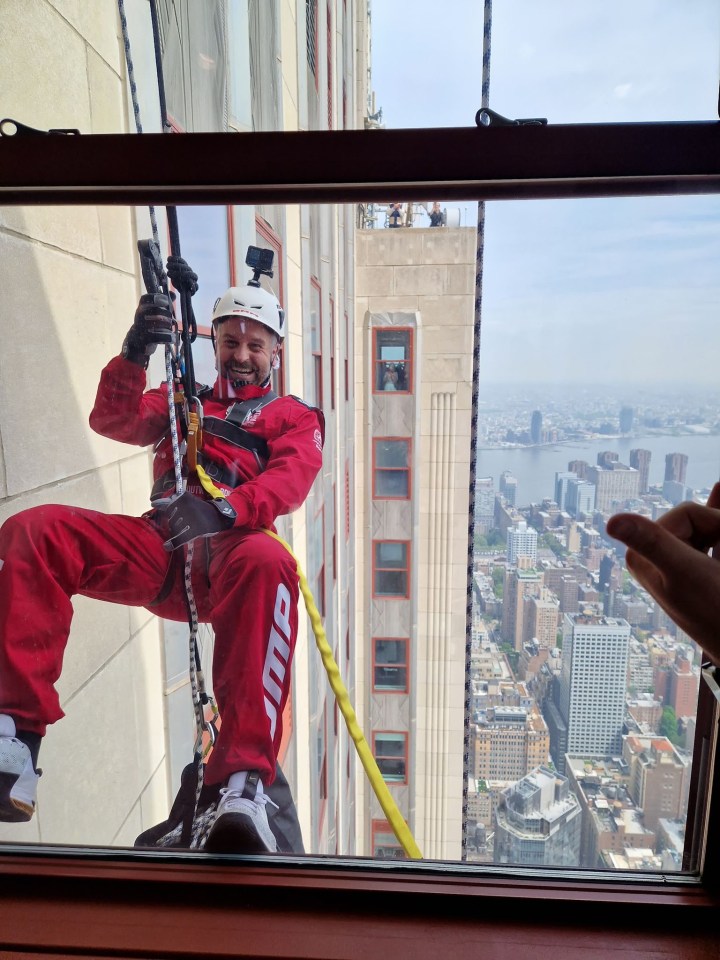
(245, 582)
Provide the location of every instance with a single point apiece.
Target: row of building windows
(391, 472)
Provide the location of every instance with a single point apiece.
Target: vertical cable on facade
(485, 102)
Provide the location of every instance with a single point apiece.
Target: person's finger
(664, 549)
(714, 499)
(693, 523)
(713, 502)
(645, 572)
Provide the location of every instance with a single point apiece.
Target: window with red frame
(206, 243)
(391, 468)
(390, 751)
(384, 842)
(392, 352)
(390, 664)
(316, 340)
(267, 238)
(391, 568)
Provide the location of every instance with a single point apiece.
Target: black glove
(183, 278)
(153, 324)
(187, 517)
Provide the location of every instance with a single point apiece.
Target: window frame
(204, 330)
(274, 241)
(409, 363)
(317, 355)
(407, 470)
(407, 569)
(381, 691)
(397, 736)
(383, 827)
(153, 904)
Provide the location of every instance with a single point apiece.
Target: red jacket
(294, 432)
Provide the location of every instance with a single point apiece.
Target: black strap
(238, 437)
(231, 428)
(240, 411)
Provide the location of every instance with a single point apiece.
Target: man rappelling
(254, 458)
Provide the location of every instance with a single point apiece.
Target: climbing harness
(179, 367)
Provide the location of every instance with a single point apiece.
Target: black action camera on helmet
(260, 262)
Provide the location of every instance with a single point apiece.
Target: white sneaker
(18, 781)
(241, 824)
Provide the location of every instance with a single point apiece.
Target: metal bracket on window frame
(13, 128)
(485, 117)
(711, 676)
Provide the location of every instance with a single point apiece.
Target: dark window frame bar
(69, 901)
(457, 163)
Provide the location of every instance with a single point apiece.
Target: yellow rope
(385, 798)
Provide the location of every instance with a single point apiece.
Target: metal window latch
(12, 128)
(485, 117)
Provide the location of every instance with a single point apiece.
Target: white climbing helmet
(254, 303)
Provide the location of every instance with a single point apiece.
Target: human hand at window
(676, 560)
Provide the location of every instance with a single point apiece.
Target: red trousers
(245, 585)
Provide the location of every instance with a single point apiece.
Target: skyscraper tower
(580, 498)
(607, 458)
(591, 689)
(522, 541)
(640, 460)
(536, 427)
(484, 504)
(508, 487)
(676, 467)
(562, 480)
(579, 468)
(538, 820)
(614, 486)
(626, 419)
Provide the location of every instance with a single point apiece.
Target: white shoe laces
(230, 799)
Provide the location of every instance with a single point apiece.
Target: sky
(629, 287)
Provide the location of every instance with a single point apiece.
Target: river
(535, 467)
